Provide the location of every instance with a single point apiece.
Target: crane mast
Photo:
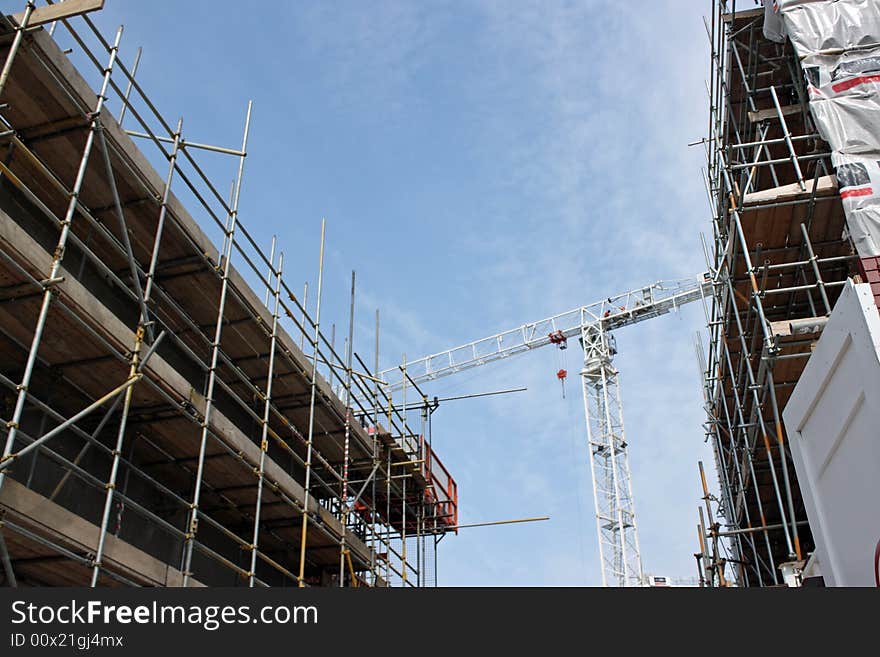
(616, 528)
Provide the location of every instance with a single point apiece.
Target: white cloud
(376, 51)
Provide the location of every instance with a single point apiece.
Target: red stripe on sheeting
(865, 191)
(849, 84)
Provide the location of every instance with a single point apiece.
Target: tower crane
(619, 551)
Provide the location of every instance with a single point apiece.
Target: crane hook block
(561, 374)
(558, 338)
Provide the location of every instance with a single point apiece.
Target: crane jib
(612, 313)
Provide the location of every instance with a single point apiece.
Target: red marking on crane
(558, 338)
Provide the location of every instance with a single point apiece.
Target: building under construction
(793, 217)
(174, 414)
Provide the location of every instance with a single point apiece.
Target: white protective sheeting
(831, 420)
(817, 26)
(773, 27)
(838, 43)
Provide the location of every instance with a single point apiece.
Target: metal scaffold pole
(343, 550)
(16, 44)
(144, 330)
(376, 456)
(163, 208)
(52, 279)
(304, 527)
(224, 265)
(267, 407)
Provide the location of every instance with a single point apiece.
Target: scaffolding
(778, 258)
(172, 418)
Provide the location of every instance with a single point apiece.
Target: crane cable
(574, 445)
(562, 372)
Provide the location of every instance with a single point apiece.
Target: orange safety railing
(441, 492)
(442, 489)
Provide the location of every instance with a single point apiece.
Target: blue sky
(480, 165)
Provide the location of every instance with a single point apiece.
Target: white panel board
(833, 424)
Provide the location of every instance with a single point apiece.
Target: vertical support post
(58, 255)
(787, 135)
(129, 86)
(7, 562)
(783, 463)
(405, 432)
(345, 450)
(436, 575)
(699, 558)
(375, 455)
(302, 335)
(424, 446)
(53, 26)
(270, 273)
(704, 549)
(267, 405)
(403, 484)
(403, 563)
(36, 455)
(814, 262)
(311, 436)
(163, 211)
(117, 452)
(229, 239)
(16, 44)
(750, 270)
(419, 566)
(388, 517)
